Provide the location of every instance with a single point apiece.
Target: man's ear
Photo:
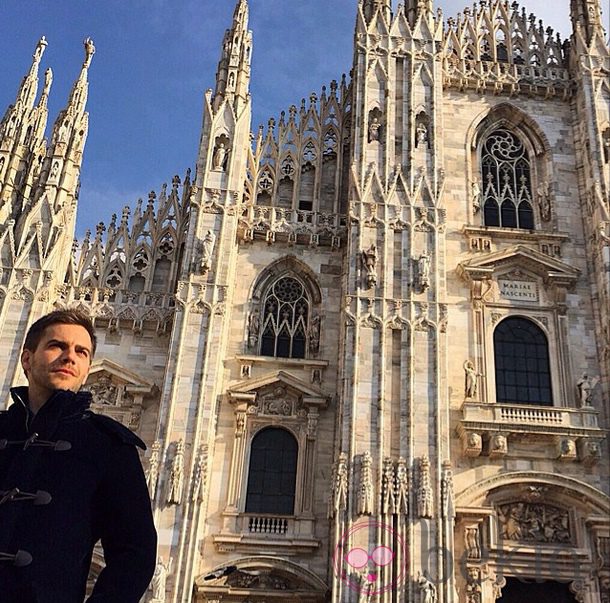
(26, 356)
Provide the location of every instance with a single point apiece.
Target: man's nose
(69, 355)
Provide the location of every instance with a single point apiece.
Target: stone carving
(207, 250)
(152, 473)
(472, 542)
(54, 169)
(388, 493)
(473, 444)
(314, 334)
(338, 498)
(199, 475)
(159, 580)
(176, 476)
(254, 325)
(422, 135)
(369, 262)
(473, 585)
(470, 379)
(566, 449)
(423, 271)
(447, 489)
(427, 590)
(275, 403)
(529, 522)
(104, 391)
(585, 386)
(374, 128)
(544, 201)
(365, 491)
(401, 496)
(220, 156)
(498, 446)
(475, 196)
(590, 452)
(424, 491)
(602, 231)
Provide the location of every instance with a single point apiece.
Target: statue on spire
(89, 52)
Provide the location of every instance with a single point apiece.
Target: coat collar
(60, 406)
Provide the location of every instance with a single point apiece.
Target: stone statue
(219, 158)
(388, 494)
(585, 386)
(601, 231)
(159, 579)
(476, 196)
(472, 542)
(426, 589)
(254, 325)
(369, 260)
(498, 444)
(54, 169)
(199, 474)
(423, 271)
(365, 492)
(402, 487)
(544, 201)
(208, 249)
(471, 375)
(422, 134)
(424, 492)
(152, 473)
(374, 128)
(176, 476)
(314, 334)
(338, 500)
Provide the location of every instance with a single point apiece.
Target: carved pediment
(522, 259)
(278, 393)
(117, 392)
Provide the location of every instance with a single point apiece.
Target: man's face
(61, 361)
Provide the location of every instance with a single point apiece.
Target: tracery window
(286, 309)
(272, 472)
(521, 352)
(506, 178)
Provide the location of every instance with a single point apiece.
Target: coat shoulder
(115, 429)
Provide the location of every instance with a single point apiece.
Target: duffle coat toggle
(58, 446)
(19, 559)
(40, 497)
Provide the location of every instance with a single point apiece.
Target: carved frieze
(534, 522)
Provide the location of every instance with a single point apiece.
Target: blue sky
(154, 60)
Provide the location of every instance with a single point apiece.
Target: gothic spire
(587, 15)
(233, 76)
(370, 8)
(415, 8)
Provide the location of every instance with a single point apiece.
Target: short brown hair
(59, 317)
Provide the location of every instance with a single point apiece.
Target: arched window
(506, 177)
(521, 354)
(272, 474)
(285, 319)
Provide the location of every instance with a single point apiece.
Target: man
(69, 478)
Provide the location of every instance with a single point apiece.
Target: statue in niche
(176, 476)
(475, 193)
(365, 492)
(423, 271)
(427, 589)
(208, 249)
(369, 260)
(585, 386)
(220, 156)
(401, 496)
(314, 334)
(422, 135)
(374, 127)
(54, 169)
(254, 325)
(152, 473)
(544, 201)
(471, 379)
(159, 580)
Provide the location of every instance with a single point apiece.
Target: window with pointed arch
(506, 181)
(521, 353)
(272, 473)
(285, 317)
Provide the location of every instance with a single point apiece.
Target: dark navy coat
(69, 478)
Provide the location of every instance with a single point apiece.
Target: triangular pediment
(118, 374)
(249, 389)
(548, 268)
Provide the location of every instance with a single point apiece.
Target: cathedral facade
(368, 346)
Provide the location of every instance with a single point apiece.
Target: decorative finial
(48, 80)
(89, 51)
(42, 44)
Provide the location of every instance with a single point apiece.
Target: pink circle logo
(373, 570)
